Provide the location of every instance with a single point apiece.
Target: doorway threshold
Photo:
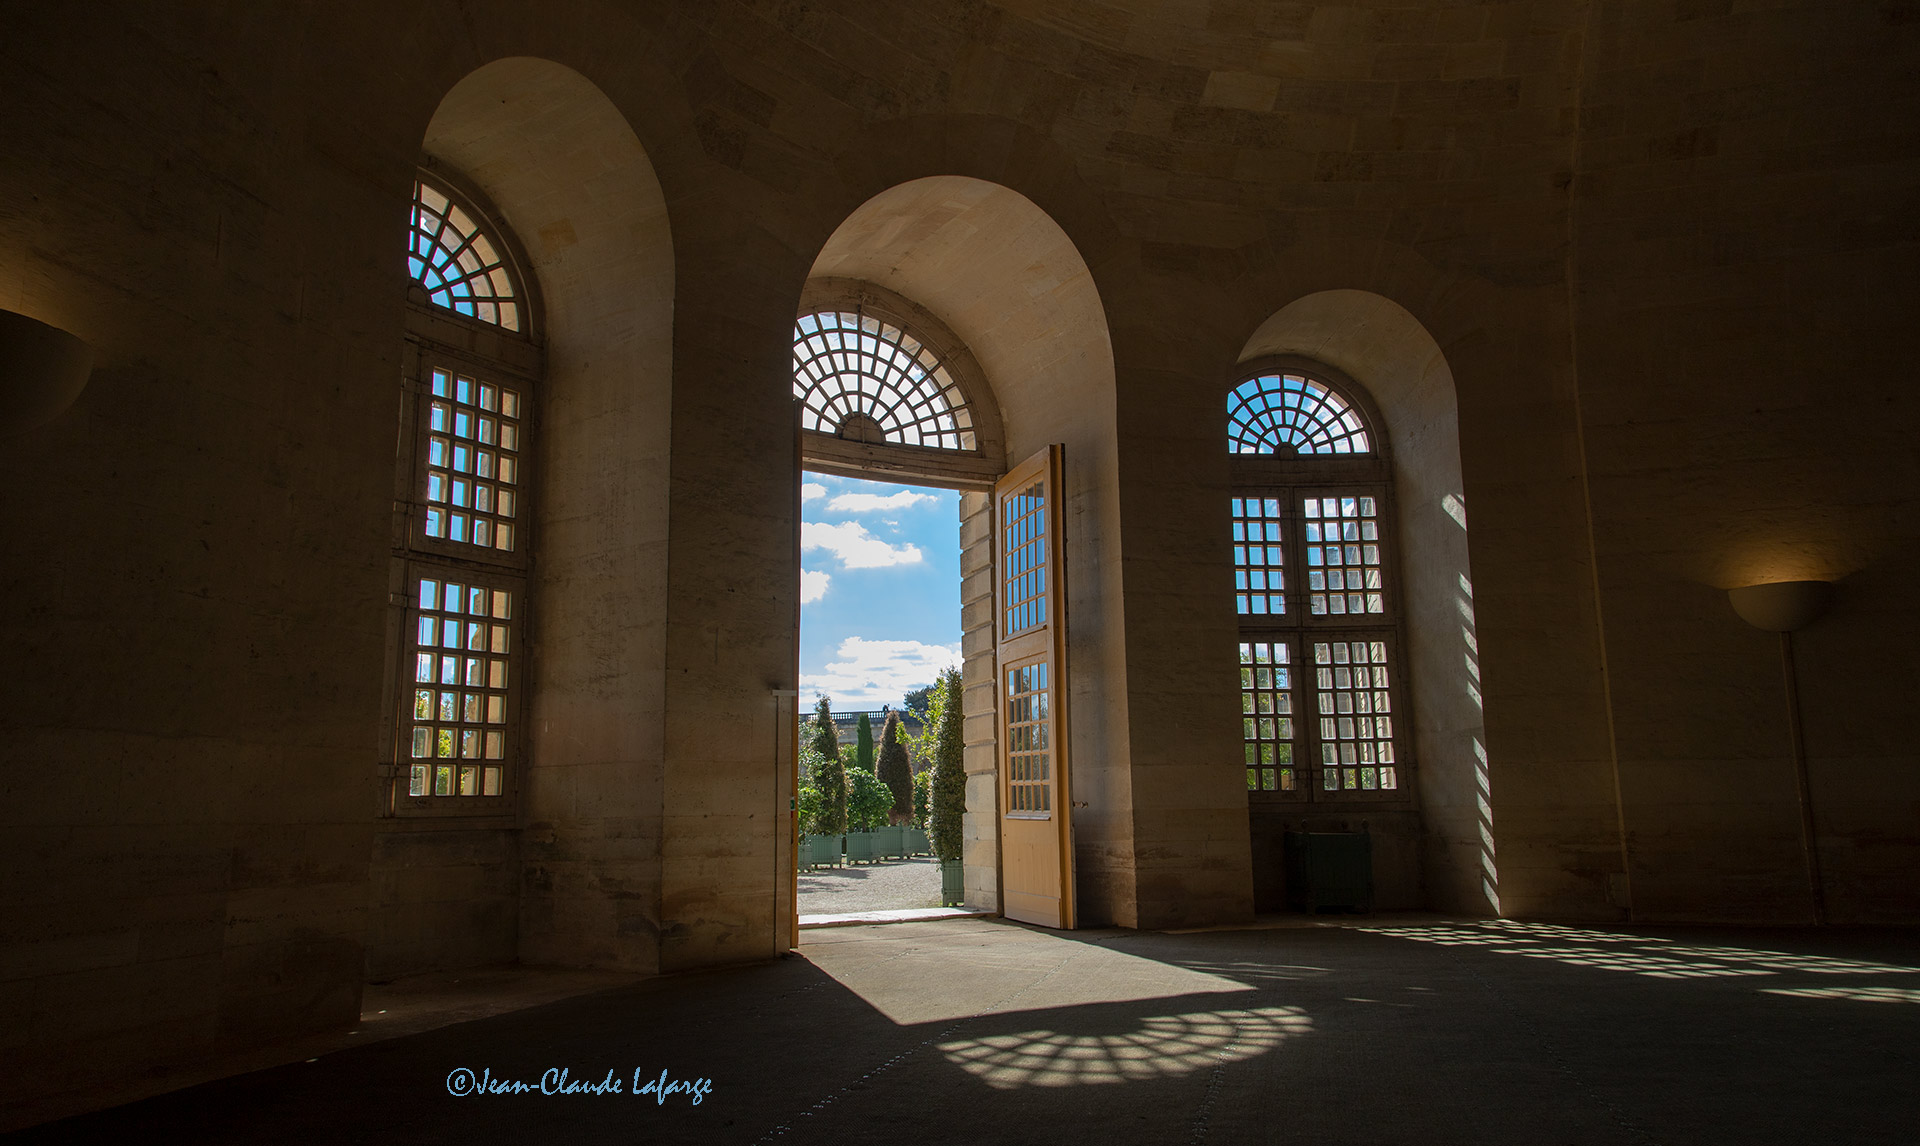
(903, 915)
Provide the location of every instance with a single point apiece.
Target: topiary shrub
(863, 744)
(895, 772)
(867, 800)
(829, 776)
(949, 772)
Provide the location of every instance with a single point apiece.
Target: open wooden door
(1036, 841)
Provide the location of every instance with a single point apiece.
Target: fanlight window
(461, 268)
(864, 379)
(1292, 414)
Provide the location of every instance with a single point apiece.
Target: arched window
(460, 266)
(864, 379)
(1292, 414)
(460, 565)
(1312, 522)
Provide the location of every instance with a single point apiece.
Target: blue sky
(879, 589)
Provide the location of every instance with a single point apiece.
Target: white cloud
(872, 502)
(867, 674)
(813, 585)
(812, 490)
(854, 546)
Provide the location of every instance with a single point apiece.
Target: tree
(863, 744)
(922, 798)
(895, 772)
(920, 744)
(809, 806)
(867, 800)
(830, 776)
(949, 770)
(917, 701)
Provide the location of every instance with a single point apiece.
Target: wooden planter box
(890, 842)
(953, 883)
(823, 851)
(917, 842)
(859, 847)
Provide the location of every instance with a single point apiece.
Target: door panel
(1036, 853)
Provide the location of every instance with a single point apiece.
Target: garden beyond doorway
(879, 656)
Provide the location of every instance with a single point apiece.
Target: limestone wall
(1665, 250)
(1745, 241)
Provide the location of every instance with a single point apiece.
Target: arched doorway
(986, 267)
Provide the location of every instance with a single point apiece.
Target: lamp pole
(1811, 848)
(1781, 607)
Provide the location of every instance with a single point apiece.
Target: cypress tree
(863, 744)
(895, 771)
(949, 771)
(832, 777)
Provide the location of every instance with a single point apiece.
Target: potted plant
(829, 777)
(917, 842)
(807, 803)
(949, 791)
(867, 803)
(897, 774)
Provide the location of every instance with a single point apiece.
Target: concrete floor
(1374, 1030)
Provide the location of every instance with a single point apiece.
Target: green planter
(953, 883)
(890, 842)
(823, 851)
(859, 847)
(917, 842)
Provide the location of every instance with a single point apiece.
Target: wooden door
(1036, 841)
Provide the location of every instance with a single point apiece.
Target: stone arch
(1387, 351)
(567, 174)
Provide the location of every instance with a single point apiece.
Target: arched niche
(566, 171)
(1392, 356)
(1012, 286)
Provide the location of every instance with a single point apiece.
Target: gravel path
(871, 887)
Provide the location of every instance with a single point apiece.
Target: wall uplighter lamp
(42, 370)
(1782, 607)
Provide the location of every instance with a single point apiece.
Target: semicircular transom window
(460, 265)
(1293, 414)
(870, 381)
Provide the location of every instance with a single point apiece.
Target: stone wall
(1744, 248)
(1666, 250)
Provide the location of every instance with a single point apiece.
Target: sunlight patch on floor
(939, 971)
(1162, 1046)
(1656, 957)
(1860, 994)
